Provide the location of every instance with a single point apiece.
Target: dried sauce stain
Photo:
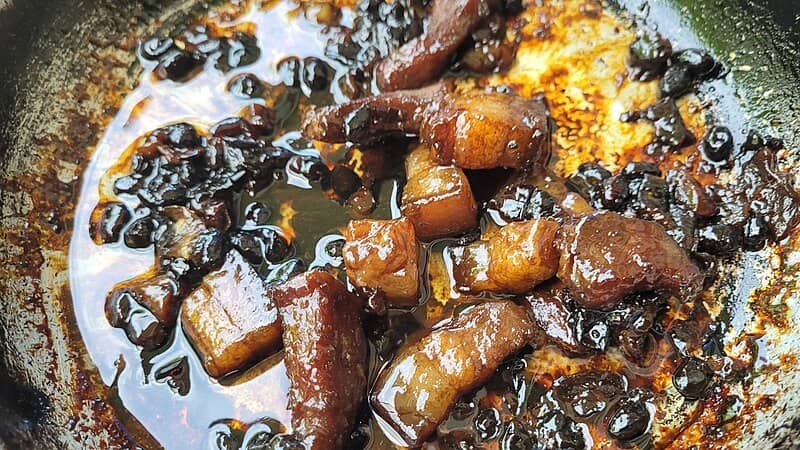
(576, 56)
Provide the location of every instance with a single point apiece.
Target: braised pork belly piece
(231, 318)
(437, 199)
(424, 58)
(326, 357)
(145, 307)
(606, 256)
(471, 130)
(418, 389)
(512, 260)
(382, 257)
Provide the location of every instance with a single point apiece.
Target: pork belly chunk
(471, 130)
(606, 256)
(423, 382)
(437, 199)
(231, 318)
(145, 307)
(382, 257)
(425, 57)
(326, 357)
(512, 260)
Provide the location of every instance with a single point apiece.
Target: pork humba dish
(406, 224)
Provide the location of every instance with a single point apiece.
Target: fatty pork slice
(382, 257)
(231, 318)
(512, 260)
(437, 199)
(325, 357)
(426, 378)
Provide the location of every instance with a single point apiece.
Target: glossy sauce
(586, 97)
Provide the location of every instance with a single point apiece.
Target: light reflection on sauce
(177, 422)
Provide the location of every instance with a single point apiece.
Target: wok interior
(739, 275)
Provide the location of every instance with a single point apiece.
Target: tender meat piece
(513, 260)
(416, 392)
(231, 318)
(473, 130)
(437, 199)
(146, 307)
(424, 58)
(771, 193)
(382, 256)
(606, 256)
(326, 357)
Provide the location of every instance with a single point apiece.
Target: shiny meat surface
(424, 58)
(473, 130)
(416, 392)
(160, 294)
(513, 260)
(231, 318)
(551, 314)
(382, 257)
(437, 199)
(606, 256)
(326, 357)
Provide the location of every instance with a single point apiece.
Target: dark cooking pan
(65, 65)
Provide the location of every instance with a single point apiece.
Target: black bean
(639, 169)
(699, 62)
(154, 48)
(630, 421)
(718, 239)
(648, 55)
(718, 144)
(344, 182)
(246, 86)
(587, 181)
(107, 222)
(311, 169)
(487, 423)
(692, 378)
(140, 233)
(178, 65)
(242, 50)
(317, 74)
(756, 232)
(677, 80)
(615, 193)
(126, 185)
(256, 214)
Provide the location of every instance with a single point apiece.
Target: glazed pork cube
(231, 319)
(606, 256)
(146, 307)
(513, 260)
(437, 199)
(382, 256)
(326, 357)
(426, 378)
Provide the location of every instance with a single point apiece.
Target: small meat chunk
(472, 130)
(326, 358)
(418, 389)
(424, 58)
(606, 256)
(382, 256)
(437, 199)
(145, 307)
(188, 245)
(513, 260)
(574, 331)
(231, 318)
